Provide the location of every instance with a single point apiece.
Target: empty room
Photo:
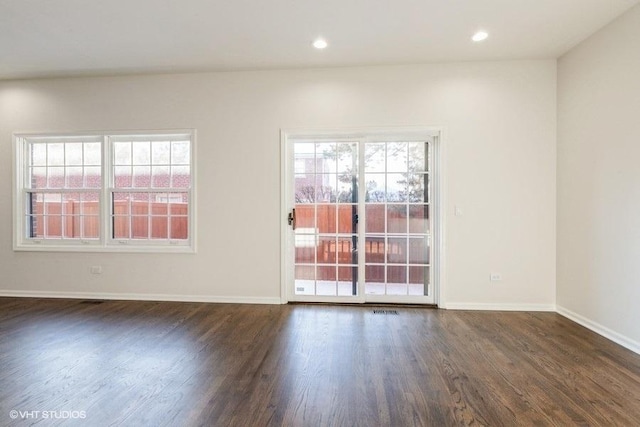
(338, 213)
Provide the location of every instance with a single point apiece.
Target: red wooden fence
(148, 220)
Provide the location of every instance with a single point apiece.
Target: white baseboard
(498, 307)
(141, 297)
(601, 330)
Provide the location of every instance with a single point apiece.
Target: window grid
(389, 253)
(69, 184)
(158, 171)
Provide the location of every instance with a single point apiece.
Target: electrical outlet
(96, 269)
(495, 277)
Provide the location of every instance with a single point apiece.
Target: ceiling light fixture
(320, 44)
(479, 36)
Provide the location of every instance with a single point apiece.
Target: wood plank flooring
(186, 364)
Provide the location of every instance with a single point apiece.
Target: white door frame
(368, 134)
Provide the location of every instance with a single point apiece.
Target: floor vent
(92, 301)
(386, 312)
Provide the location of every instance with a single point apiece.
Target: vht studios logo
(56, 415)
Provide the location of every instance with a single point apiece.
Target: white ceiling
(87, 37)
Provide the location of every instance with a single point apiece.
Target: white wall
(500, 122)
(599, 181)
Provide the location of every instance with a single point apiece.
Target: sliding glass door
(359, 217)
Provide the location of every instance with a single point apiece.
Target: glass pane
(303, 238)
(327, 250)
(139, 203)
(179, 206)
(325, 218)
(89, 204)
(418, 280)
(326, 188)
(346, 214)
(374, 249)
(304, 280)
(305, 217)
(397, 280)
(305, 191)
(123, 177)
(374, 157)
(346, 276)
(396, 218)
(375, 218)
(347, 191)
(159, 227)
(38, 154)
(397, 157)
(160, 176)
(418, 186)
(122, 153)
(326, 280)
(53, 224)
(419, 219)
(417, 157)
(52, 203)
(35, 224)
(121, 204)
(346, 255)
(305, 253)
(419, 250)
(419, 275)
(92, 177)
(396, 187)
(141, 176)
(55, 154)
(347, 159)
(326, 157)
(397, 250)
(71, 204)
(121, 229)
(180, 176)
(159, 204)
(140, 227)
(160, 152)
(374, 279)
(141, 153)
(74, 177)
(90, 227)
(71, 227)
(375, 188)
(92, 154)
(38, 178)
(304, 155)
(180, 153)
(73, 154)
(55, 177)
(179, 227)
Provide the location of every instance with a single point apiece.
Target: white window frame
(105, 242)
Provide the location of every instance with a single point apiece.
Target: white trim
(498, 306)
(600, 329)
(284, 211)
(141, 297)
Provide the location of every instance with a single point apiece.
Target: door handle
(291, 218)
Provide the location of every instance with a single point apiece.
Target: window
(120, 192)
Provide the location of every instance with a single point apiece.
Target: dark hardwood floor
(184, 364)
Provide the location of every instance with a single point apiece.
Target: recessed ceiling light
(320, 44)
(479, 36)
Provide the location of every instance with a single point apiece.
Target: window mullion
(105, 203)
